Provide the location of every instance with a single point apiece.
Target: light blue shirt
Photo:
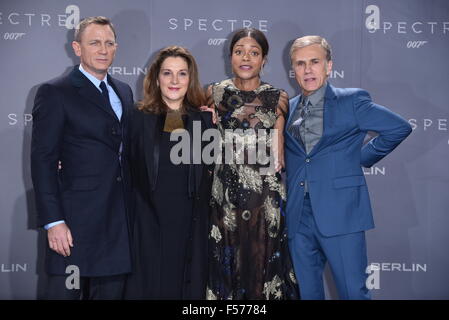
(113, 97)
(116, 106)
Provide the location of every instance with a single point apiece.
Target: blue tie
(299, 117)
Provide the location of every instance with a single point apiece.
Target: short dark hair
(252, 33)
(92, 20)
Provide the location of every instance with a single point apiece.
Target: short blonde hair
(310, 40)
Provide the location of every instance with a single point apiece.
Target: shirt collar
(318, 95)
(92, 79)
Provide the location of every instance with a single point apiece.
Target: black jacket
(144, 159)
(72, 123)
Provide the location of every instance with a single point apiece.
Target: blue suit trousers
(346, 254)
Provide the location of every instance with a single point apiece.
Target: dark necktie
(105, 92)
(299, 117)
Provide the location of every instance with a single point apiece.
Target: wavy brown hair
(152, 99)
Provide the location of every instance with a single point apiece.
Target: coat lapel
(152, 131)
(123, 96)
(198, 168)
(88, 91)
(298, 143)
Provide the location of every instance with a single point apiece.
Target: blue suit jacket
(333, 168)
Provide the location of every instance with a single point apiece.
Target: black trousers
(91, 288)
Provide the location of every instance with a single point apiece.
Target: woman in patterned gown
(248, 254)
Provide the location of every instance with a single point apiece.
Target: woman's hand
(210, 109)
(279, 153)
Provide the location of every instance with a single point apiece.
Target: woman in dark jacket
(171, 191)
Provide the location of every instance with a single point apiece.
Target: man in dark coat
(80, 123)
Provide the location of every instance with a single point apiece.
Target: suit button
(308, 160)
(301, 183)
(119, 179)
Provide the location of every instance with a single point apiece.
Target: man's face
(96, 49)
(311, 67)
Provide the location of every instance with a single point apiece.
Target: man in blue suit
(80, 122)
(328, 206)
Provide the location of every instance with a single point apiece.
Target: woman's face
(173, 81)
(246, 59)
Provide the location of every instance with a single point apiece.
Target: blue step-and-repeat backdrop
(397, 50)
